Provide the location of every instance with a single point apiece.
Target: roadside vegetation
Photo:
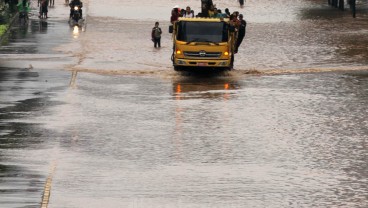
(7, 11)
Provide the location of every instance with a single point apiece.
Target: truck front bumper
(201, 63)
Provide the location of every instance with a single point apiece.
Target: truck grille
(202, 54)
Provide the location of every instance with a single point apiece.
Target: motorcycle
(23, 17)
(76, 18)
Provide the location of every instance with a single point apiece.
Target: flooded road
(98, 118)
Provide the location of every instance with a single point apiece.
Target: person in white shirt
(188, 13)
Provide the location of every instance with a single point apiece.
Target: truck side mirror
(171, 29)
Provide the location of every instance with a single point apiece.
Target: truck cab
(203, 43)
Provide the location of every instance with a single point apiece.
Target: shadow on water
(203, 72)
(17, 178)
(325, 11)
(16, 181)
(39, 26)
(336, 28)
(359, 75)
(23, 39)
(204, 85)
(357, 83)
(23, 134)
(321, 13)
(24, 97)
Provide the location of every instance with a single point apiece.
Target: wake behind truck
(200, 43)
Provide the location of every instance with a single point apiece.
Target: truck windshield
(214, 32)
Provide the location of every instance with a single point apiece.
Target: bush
(4, 12)
(3, 29)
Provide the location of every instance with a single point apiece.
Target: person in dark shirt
(156, 35)
(241, 32)
(227, 13)
(44, 8)
(206, 5)
(76, 3)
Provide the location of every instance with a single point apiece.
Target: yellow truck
(203, 43)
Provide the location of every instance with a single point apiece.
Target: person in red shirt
(174, 15)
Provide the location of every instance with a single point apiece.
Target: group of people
(236, 19)
(176, 12)
(211, 12)
(24, 7)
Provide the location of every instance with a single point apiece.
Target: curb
(10, 23)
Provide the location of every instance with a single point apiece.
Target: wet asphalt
(31, 73)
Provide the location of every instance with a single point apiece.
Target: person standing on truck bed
(211, 11)
(188, 13)
(174, 15)
(227, 12)
(234, 21)
(217, 13)
(241, 32)
(206, 5)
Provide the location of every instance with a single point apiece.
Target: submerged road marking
(248, 72)
(47, 189)
(73, 79)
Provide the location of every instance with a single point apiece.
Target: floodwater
(281, 35)
(97, 117)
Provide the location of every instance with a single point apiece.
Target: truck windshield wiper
(201, 40)
(208, 41)
(194, 40)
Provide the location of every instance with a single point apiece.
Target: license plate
(202, 64)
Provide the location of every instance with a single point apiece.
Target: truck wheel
(177, 68)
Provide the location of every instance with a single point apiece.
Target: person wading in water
(156, 35)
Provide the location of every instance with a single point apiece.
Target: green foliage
(3, 29)
(4, 12)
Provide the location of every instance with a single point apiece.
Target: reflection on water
(199, 87)
(75, 32)
(270, 141)
(73, 79)
(39, 26)
(24, 143)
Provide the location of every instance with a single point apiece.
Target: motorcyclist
(23, 8)
(73, 4)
